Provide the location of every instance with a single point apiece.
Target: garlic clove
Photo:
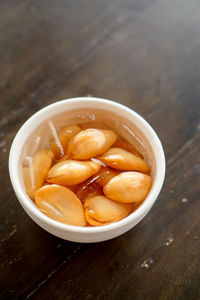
(71, 172)
(90, 142)
(60, 204)
(104, 211)
(120, 159)
(128, 187)
(64, 137)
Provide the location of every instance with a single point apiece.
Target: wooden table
(141, 53)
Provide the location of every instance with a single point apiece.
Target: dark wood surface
(141, 53)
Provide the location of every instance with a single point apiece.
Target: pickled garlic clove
(122, 143)
(60, 204)
(35, 175)
(64, 136)
(93, 222)
(92, 186)
(71, 172)
(120, 159)
(41, 164)
(128, 187)
(101, 211)
(28, 183)
(90, 142)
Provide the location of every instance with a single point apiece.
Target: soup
(87, 168)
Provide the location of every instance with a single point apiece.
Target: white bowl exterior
(82, 237)
(74, 233)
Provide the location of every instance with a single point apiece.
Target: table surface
(144, 54)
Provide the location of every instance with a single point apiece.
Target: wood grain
(144, 54)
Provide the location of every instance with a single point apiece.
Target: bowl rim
(31, 209)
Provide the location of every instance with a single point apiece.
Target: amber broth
(89, 118)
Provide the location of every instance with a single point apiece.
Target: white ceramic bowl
(75, 233)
